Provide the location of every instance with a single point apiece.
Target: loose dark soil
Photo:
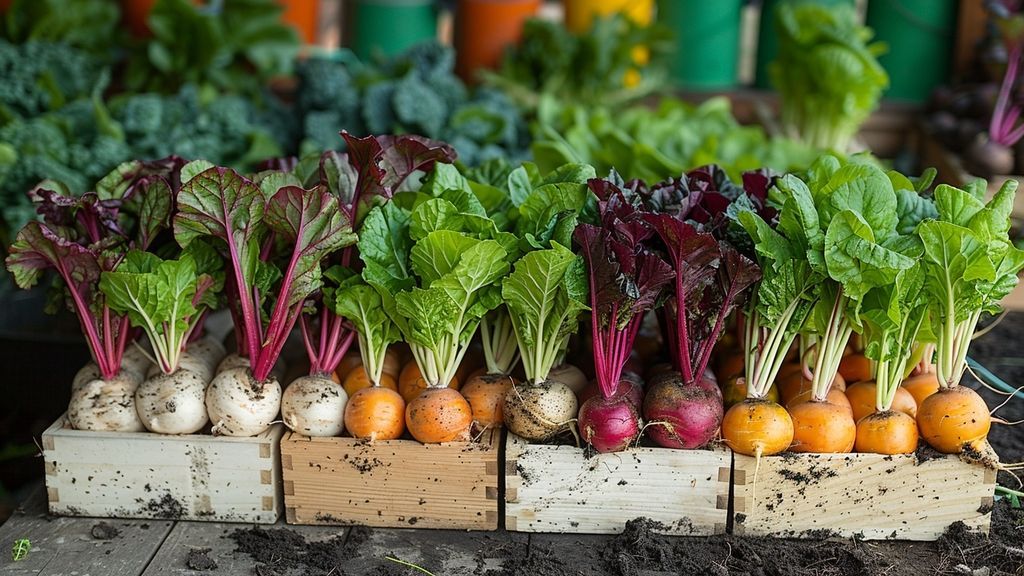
(281, 552)
(199, 559)
(104, 531)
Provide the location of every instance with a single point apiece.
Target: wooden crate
(869, 496)
(391, 483)
(145, 475)
(561, 489)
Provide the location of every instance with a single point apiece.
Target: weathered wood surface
(67, 547)
(870, 496)
(560, 489)
(393, 483)
(144, 475)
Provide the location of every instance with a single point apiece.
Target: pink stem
(996, 124)
(313, 364)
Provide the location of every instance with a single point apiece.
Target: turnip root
(240, 406)
(682, 416)
(629, 386)
(233, 360)
(610, 424)
(538, 412)
(207, 349)
(136, 361)
(192, 362)
(105, 405)
(85, 374)
(173, 403)
(315, 406)
(569, 375)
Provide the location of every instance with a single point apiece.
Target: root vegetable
(609, 424)
(173, 403)
(238, 405)
(681, 415)
(106, 405)
(835, 396)
(889, 432)
(628, 387)
(855, 368)
(439, 415)
(411, 383)
(569, 375)
(232, 361)
(375, 413)
(538, 412)
(822, 427)
(197, 364)
(757, 427)
(953, 418)
(314, 405)
(735, 391)
(358, 379)
(921, 386)
(863, 396)
(486, 396)
(348, 364)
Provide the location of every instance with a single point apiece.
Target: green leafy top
(165, 298)
(545, 294)
(828, 77)
(437, 274)
(363, 306)
(969, 266)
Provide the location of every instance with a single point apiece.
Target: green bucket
(919, 34)
(389, 27)
(768, 39)
(707, 41)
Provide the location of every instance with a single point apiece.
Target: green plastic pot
(919, 34)
(768, 39)
(389, 27)
(707, 39)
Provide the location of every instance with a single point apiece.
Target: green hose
(993, 380)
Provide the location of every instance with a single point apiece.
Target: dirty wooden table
(62, 546)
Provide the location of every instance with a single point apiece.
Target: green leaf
(855, 258)
(434, 214)
(438, 254)
(431, 316)
(22, 546)
(956, 206)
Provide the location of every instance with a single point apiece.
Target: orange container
(301, 15)
(484, 28)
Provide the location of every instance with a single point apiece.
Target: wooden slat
(869, 495)
(130, 475)
(559, 489)
(440, 552)
(172, 558)
(66, 547)
(396, 483)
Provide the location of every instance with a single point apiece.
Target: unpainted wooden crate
(146, 475)
(564, 489)
(868, 496)
(392, 483)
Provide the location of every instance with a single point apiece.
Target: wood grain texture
(66, 546)
(145, 475)
(559, 489)
(393, 483)
(869, 495)
(172, 559)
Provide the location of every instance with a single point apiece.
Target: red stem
(997, 129)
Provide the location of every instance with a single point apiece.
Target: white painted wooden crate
(146, 475)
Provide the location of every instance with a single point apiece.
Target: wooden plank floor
(63, 546)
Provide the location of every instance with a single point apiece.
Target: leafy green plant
(615, 62)
(62, 21)
(416, 92)
(22, 546)
(234, 45)
(652, 144)
(827, 74)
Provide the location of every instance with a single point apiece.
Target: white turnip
(106, 405)
(314, 405)
(569, 375)
(238, 405)
(233, 360)
(610, 424)
(173, 403)
(540, 411)
(192, 362)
